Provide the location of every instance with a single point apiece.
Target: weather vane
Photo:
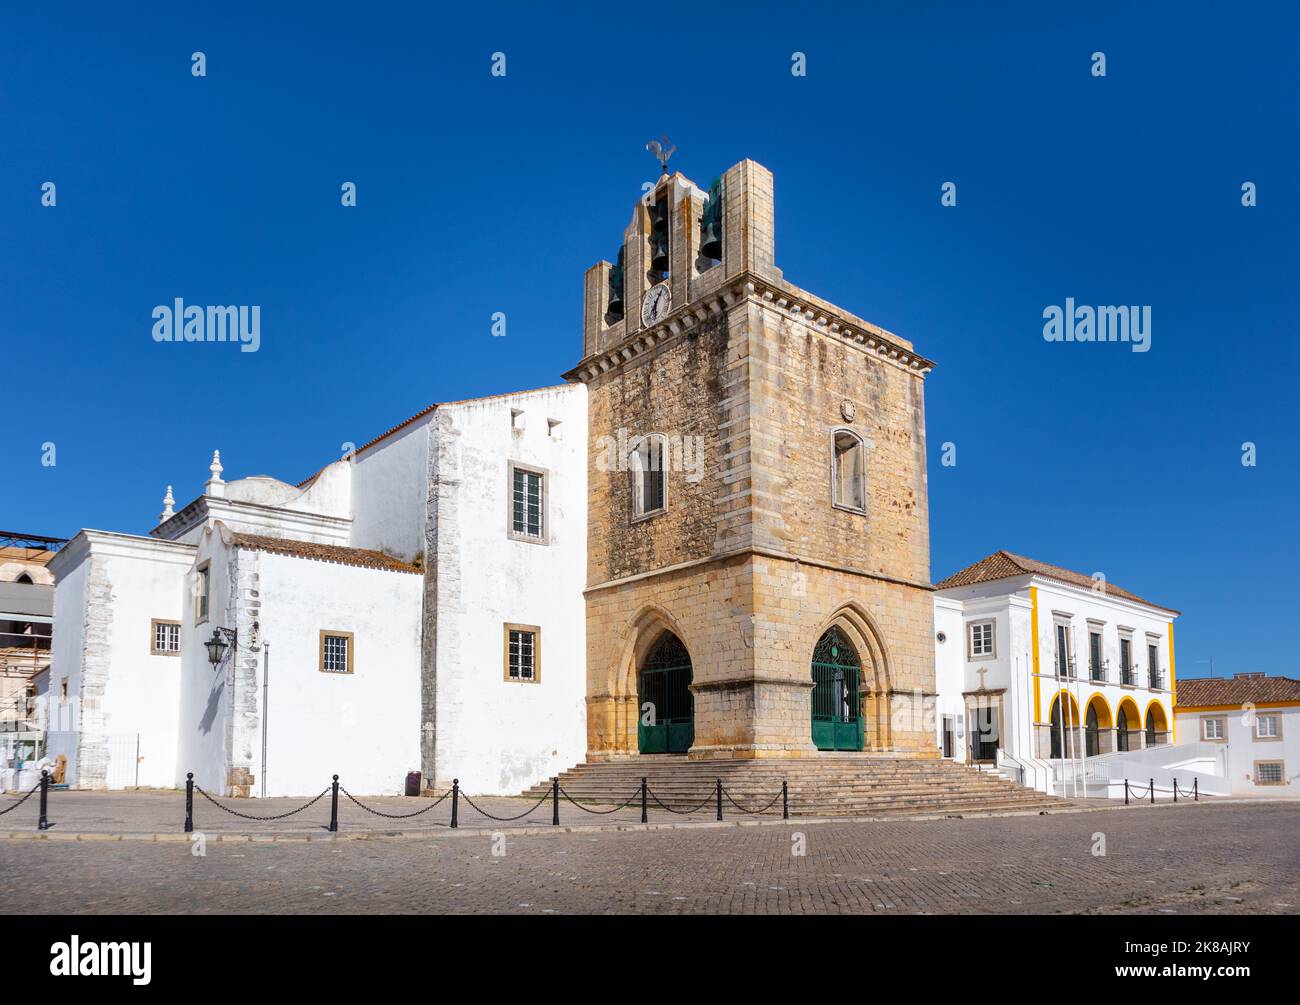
(662, 151)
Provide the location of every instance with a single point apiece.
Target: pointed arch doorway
(836, 697)
(666, 707)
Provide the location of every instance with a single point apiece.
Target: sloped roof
(323, 552)
(1003, 565)
(1255, 688)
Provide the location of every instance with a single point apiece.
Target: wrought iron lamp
(216, 646)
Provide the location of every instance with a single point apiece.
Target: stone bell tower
(757, 486)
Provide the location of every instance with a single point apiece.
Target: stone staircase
(827, 785)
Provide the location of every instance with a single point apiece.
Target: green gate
(667, 726)
(836, 704)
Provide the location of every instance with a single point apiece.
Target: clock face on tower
(656, 305)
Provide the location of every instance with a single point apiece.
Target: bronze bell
(659, 259)
(711, 223)
(616, 287)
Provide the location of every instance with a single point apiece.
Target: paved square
(1226, 858)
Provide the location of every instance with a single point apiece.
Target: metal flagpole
(266, 683)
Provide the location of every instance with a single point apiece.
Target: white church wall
(501, 736)
(71, 567)
(363, 726)
(206, 695)
(949, 666)
(390, 491)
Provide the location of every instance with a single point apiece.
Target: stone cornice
(786, 299)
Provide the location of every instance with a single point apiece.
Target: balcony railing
(1128, 675)
(1099, 673)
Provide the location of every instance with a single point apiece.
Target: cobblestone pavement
(1226, 858)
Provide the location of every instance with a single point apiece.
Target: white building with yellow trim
(1254, 720)
(1038, 667)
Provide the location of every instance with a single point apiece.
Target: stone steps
(834, 785)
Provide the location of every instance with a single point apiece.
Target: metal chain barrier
(707, 799)
(251, 816)
(742, 809)
(504, 820)
(392, 816)
(624, 805)
(30, 792)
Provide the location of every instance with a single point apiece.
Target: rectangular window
(1212, 729)
(165, 638)
(981, 639)
(202, 583)
(63, 689)
(336, 652)
(1094, 656)
(1270, 773)
(652, 495)
(523, 657)
(1064, 664)
(848, 471)
(1268, 727)
(1153, 665)
(1126, 661)
(527, 504)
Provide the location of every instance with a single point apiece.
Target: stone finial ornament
(214, 485)
(168, 503)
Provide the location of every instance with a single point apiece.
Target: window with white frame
(650, 475)
(336, 652)
(165, 638)
(1270, 773)
(1095, 665)
(981, 639)
(1213, 729)
(527, 503)
(1268, 727)
(1126, 660)
(1064, 654)
(848, 471)
(1153, 665)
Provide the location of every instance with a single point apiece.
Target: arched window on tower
(848, 471)
(650, 475)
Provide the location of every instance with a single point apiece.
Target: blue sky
(479, 194)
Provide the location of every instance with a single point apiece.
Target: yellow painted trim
(1033, 634)
(1110, 712)
(1072, 716)
(1137, 712)
(1163, 713)
(1173, 684)
(1180, 709)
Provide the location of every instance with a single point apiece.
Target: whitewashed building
(392, 613)
(1037, 666)
(1254, 720)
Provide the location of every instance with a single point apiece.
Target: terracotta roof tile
(1195, 692)
(1003, 565)
(324, 552)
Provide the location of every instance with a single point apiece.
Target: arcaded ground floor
(1229, 858)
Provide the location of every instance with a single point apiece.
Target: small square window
(336, 652)
(165, 638)
(981, 639)
(1268, 727)
(1212, 729)
(523, 656)
(1270, 773)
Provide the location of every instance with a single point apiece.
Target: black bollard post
(785, 801)
(1196, 790)
(719, 798)
(455, 802)
(555, 801)
(644, 818)
(189, 802)
(1153, 790)
(43, 823)
(1175, 790)
(334, 805)
(1126, 792)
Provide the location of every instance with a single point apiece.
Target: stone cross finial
(168, 502)
(214, 485)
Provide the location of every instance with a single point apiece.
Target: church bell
(711, 223)
(616, 287)
(659, 260)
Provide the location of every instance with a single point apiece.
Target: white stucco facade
(405, 548)
(1254, 749)
(1046, 671)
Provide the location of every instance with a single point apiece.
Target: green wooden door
(667, 708)
(836, 703)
